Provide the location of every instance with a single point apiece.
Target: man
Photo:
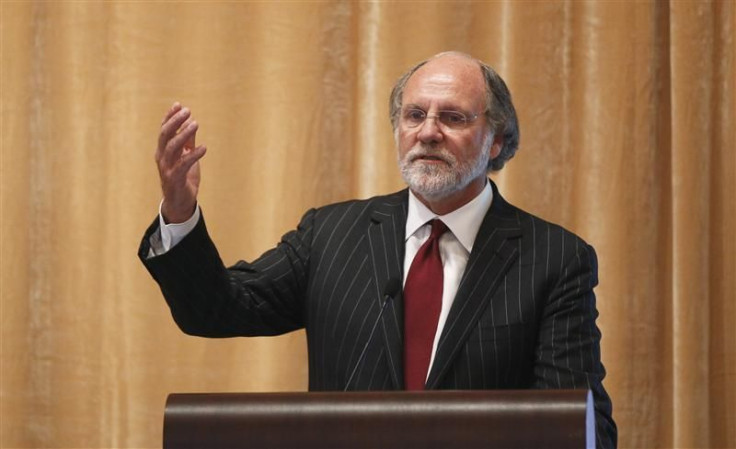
(493, 298)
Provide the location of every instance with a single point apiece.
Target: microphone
(390, 290)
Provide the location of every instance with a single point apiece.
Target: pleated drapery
(627, 138)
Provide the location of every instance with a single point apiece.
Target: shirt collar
(463, 222)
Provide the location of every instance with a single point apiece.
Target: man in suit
(506, 299)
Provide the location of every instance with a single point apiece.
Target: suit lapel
(492, 255)
(386, 241)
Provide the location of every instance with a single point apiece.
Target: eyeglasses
(413, 117)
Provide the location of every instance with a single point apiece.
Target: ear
(496, 147)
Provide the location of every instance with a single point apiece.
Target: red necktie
(422, 305)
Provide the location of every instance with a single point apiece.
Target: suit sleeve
(207, 299)
(568, 352)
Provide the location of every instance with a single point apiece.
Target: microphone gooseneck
(392, 287)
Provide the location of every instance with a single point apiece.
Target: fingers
(182, 142)
(176, 152)
(177, 136)
(190, 142)
(172, 110)
(188, 160)
(173, 121)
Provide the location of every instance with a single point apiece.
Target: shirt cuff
(169, 235)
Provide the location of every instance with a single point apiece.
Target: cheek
(476, 145)
(480, 140)
(466, 148)
(404, 141)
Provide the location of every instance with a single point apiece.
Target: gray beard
(437, 181)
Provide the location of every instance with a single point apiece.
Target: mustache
(420, 151)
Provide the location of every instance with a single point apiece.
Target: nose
(429, 130)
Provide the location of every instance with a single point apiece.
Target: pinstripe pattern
(524, 314)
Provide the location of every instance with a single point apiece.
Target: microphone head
(392, 287)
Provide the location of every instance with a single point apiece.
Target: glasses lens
(414, 117)
(449, 119)
(452, 119)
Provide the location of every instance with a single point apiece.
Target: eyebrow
(413, 106)
(441, 108)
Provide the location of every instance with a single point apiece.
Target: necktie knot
(438, 228)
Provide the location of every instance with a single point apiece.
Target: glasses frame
(467, 118)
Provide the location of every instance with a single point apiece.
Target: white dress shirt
(455, 245)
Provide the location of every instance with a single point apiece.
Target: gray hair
(500, 113)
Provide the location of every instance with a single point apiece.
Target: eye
(452, 118)
(414, 115)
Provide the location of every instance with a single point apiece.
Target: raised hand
(177, 159)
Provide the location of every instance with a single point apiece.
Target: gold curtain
(627, 119)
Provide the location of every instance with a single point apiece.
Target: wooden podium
(386, 420)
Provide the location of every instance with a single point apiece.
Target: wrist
(177, 215)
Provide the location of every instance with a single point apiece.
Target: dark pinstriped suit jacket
(524, 314)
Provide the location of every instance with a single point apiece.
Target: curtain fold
(627, 138)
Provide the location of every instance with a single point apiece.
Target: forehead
(447, 82)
